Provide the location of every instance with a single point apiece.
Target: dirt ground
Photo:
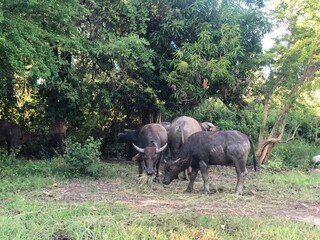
(171, 199)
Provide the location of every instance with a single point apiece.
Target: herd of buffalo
(13, 136)
(183, 145)
(187, 144)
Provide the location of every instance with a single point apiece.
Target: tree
(210, 49)
(294, 64)
(36, 40)
(118, 62)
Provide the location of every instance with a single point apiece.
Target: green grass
(290, 186)
(114, 221)
(26, 213)
(296, 178)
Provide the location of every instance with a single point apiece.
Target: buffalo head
(208, 126)
(173, 168)
(150, 156)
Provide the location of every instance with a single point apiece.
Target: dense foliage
(102, 66)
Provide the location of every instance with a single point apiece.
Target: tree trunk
(275, 136)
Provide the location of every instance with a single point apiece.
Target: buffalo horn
(176, 161)
(162, 148)
(138, 149)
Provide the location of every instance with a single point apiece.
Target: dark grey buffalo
(56, 143)
(166, 125)
(152, 141)
(181, 129)
(211, 148)
(13, 136)
(131, 135)
(128, 136)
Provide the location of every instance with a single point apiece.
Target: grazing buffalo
(211, 148)
(152, 140)
(13, 136)
(181, 129)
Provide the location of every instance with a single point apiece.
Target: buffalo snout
(150, 172)
(166, 181)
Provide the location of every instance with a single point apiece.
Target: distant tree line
(102, 66)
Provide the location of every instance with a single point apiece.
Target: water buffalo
(211, 148)
(152, 140)
(181, 129)
(128, 136)
(208, 126)
(166, 125)
(131, 135)
(13, 136)
(56, 139)
(56, 142)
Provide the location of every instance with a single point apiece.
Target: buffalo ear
(136, 157)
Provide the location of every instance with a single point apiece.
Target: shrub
(82, 159)
(294, 154)
(245, 120)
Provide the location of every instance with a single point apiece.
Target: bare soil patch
(158, 198)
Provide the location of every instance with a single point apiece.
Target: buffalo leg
(186, 174)
(241, 174)
(140, 168)
(8, 148)
(193, 176)
(205, 176)
(156, 179)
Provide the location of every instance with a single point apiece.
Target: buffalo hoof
(206, 192)
(238, 192)
(188, 190)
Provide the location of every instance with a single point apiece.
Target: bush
(215, 111)
(294, 154)
(82, 159)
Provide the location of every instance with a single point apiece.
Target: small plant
(275, 165)
(82, 159)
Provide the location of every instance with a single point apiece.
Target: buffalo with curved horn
(204, 148)
(151, 143)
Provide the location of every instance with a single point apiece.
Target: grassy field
(36, 202)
